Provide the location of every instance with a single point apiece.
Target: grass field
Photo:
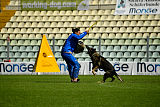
(57, 91)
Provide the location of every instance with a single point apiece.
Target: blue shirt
(72, 41)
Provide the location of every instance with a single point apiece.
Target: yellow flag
(46, 61)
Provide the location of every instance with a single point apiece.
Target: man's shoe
(75, 81)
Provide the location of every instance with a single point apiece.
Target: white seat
(18, 13)
(114, 42)
(138, 48)
(83, 18)
(68, 12)
(24, 13)
(129, 29)
(34, 42)
(37, 13)
(104, 35)
(117, 17)
(58, 36)
(69, 30)
(24, 54)
(122, 60)
(36, 30)
(131, 48)
(97, 18)
(110, 48)
(32, 18)
(79, 24)
(150, 29)
(116, 48)
(151, 16)
(154, 23)
(124, 48)
(158, 60)
(101, 12)
(127, 23)
(136, 29)
(22, 48)
(103, 18)
(141, 54)
(17, 54)
(29, 30)
(135, 41)
(119, 23)
(109, 29)
(127, 54)
(90, 18)
(12, 36)
(49, 30)
(118, 35)
(115, 29)
(143, 29)
(124, 17)
(43, 30)
(51, 18)
(47, 24)
(20, 42)
(144, 17)
(70, 18)
(16, 30)
(122, 29)
(13, 18)
(39, 18)
(13, 42)
(119, 54)
(27, 42)
(156, 29)
(157, 16)
(73, 24)
(25, 60)
(152, 60)
(156, 41)
(18, 60)
(115, 59)
(112, 54)
(30, 13)
(121, 42)
(10, 30)
(142, 42)
(31, 54)
(3, 30)
(21, 24)
(77, 18)
(113, 23)
(56, 13)
(28, 24)
(94, 42)
(107, 42)
(43, 13)
(8, 24)
(66, 24)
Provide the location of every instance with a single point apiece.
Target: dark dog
(100, 62)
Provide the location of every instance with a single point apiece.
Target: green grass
(57, 91)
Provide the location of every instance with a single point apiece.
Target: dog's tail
(118, 77)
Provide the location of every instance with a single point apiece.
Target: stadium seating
(123, 37)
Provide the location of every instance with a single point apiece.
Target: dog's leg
(112, 79)
(93, 70)
(105, 77)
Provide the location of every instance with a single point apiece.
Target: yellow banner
(46, 61)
